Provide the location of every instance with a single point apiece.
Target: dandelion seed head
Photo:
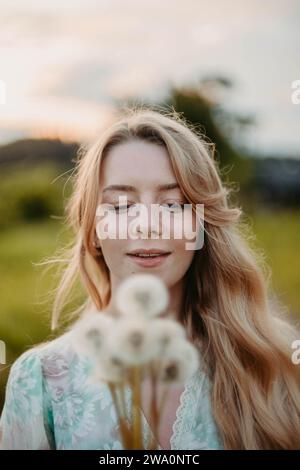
(167, 330)
(142, 295)
(89, 334)
(179, 362)
(110, 369)
(172, 371)
(133, 341)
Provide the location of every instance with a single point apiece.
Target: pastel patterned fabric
(51, 403)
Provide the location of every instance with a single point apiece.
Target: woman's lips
(149, 262)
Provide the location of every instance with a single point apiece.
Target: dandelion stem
(163, 399)
(125, 435)
(123, 400)
(154, 418)
(137, 438)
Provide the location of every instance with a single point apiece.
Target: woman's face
(146, 167)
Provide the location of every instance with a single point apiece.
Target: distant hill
(29, 152)
(275, 180)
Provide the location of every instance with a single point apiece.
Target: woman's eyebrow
(129, 188)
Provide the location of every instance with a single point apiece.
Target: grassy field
(278, 234)
(25, 311)
(25, 316)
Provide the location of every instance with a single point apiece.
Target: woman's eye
(123, 208)
(173, 206)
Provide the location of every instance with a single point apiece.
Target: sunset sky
(63, 63)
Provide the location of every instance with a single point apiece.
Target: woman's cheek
(183, 227)
(113, 227)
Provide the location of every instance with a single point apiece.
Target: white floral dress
(51, 403)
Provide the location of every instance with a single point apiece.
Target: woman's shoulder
(45, 357)
(36, 369)
(25, 418)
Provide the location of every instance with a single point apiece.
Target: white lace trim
(185, 397)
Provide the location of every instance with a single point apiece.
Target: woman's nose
(148, 223)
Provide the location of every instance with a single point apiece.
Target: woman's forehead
(137, 164)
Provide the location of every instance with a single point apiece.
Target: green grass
(278, 234)
(24, 314)
(22, 320)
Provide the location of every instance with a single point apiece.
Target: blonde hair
(245, 338)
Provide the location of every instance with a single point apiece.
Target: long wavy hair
(244, 335)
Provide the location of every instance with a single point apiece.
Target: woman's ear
(97, 245)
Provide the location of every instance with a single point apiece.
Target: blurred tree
(202, 106)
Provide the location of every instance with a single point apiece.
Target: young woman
(246, 393)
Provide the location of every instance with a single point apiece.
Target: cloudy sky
(63, 63)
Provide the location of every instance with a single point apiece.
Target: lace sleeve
(22, 423)
(195, 427)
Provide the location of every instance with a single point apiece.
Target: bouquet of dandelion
(127, 347)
